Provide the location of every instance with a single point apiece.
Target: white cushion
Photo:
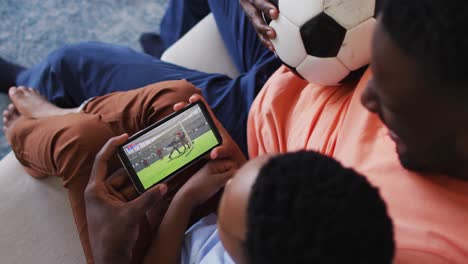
(37, 225)
(202, 48)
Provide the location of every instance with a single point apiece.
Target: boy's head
(420, 83)
(303, 208)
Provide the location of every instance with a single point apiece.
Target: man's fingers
(129, 192)
(221, 166)
(118, 179)
(266, 42)
(99, 172)
(220, 152)
(253, 13)
(179, 106)
(267, 7)
(223, 178)
(147, 200)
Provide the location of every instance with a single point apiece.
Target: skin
(167, 245)
(102, 204)
(232, 213)
(254, 9)
(226, 159)
(428, 128)
(112, 241)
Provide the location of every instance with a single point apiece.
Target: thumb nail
(163, 189)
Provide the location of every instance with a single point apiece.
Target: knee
(162, 97)
(86, 135)
(77, 145)
(174, 92)
(71, 54)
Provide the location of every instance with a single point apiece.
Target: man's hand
(207, 182)
(229, 149)
(254, 9)
(113, 223)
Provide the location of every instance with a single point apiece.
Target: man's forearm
(167, 245)
(112, 259)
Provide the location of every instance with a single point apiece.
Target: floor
(30, 29)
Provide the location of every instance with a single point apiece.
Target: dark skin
(103, 204)
(254, 9)
(112, 241)
(430, 131)
(429, 128)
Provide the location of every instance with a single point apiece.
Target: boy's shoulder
(202, 243)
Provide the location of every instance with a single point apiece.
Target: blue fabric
(180, 17)
(31, 29)
(202, 244)
(74, 73)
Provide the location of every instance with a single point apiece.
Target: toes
(17, 92)
(22, 89)
(12, 108)
(31, 90)
(12, 91)
(6, 114)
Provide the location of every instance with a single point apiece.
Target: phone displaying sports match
(167, 147)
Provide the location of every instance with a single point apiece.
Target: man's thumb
(149, 198)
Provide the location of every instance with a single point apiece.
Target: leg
(8, 73)
(172, 151)
(69, 143)
(67, 147)
(241, 38)
(180, 16)
(75, 73)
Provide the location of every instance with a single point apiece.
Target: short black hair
(434, 33)
(306, 208)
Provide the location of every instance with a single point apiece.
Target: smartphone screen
(167, 147)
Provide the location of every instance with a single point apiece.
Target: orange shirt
(430, 213)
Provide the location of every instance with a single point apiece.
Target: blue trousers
(74, 73)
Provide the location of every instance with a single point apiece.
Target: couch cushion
(195, 52)
(37, 225)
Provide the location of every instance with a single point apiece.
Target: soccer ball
(324, 41)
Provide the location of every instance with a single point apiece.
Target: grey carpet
(30, 29)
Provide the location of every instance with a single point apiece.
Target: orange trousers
(65, 146)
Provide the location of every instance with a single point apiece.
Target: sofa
(37, 222)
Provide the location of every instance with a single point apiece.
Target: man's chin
(410, 163)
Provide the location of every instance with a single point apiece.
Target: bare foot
(30, 103)
(10, 116)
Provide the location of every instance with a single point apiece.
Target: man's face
(424, 126)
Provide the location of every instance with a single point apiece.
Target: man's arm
(167, 244)
(113, 224)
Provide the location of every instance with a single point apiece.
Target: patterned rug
(30, 29)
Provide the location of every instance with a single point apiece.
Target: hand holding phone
(102, 205)
(229, 149)
(161, 151)
(206, 182)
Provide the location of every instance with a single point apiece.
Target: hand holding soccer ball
(323, 41)
(254, 10)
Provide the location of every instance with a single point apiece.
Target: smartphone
(164, 149)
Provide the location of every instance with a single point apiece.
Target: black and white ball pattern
(324, 41)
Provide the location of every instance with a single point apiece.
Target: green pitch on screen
(163, 168)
